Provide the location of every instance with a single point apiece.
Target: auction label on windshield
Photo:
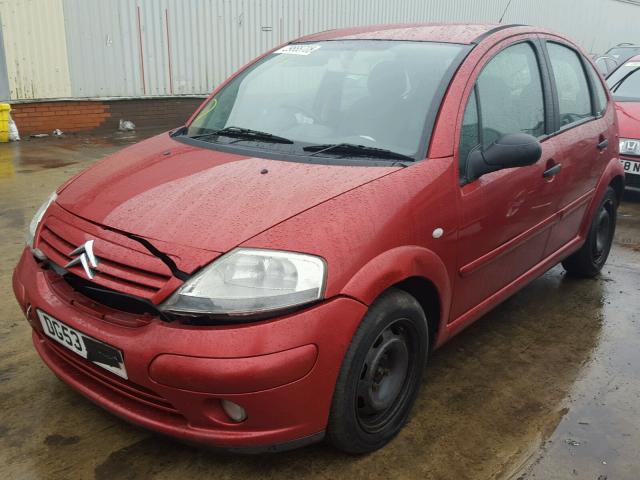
(298, 49)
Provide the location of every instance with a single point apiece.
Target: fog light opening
(234, 411)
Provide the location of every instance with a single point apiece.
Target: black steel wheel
(589, 260)
(380, 375)
(386, 376)
(603, 232)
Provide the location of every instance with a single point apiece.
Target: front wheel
(589, 260)
(380, 376)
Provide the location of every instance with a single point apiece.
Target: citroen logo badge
(85, 257)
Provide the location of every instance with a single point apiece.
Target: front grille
(112, 310)
(114, 383)
(110, 298)
(632, 180)
(120, 268)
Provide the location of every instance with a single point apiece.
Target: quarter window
(470, 135)
(601, 95)
(574, 99)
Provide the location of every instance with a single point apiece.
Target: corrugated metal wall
(131, 48)
(35, 49)
(4, 77)
(102, 45)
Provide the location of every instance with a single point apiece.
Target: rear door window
(574, 97)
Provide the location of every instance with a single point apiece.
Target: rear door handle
(550, 172)
(603, 144)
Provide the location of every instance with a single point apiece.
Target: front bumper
(282, 371)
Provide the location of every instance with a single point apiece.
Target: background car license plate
(95, 351)
(631, 167)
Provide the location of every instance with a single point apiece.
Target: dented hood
(165, 190)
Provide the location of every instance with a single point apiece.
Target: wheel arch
(413, 269)
(617, 183)
(426, 293)
(613, 176)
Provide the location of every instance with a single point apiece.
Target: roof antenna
(505, 10)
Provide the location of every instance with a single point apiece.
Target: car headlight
(250, 281)
(629, 146)
(33, 225)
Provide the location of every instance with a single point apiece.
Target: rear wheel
(589, 260)
(380, 376)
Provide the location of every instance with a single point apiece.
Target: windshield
(361, 92)
(625, 82)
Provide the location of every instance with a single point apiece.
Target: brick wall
(162, 112)
(44, 117)
(78, 116)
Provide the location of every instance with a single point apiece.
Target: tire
(589, 260)
(380, 375)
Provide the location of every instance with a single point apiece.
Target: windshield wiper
(619, 83)
(244, 133)
(351, 149)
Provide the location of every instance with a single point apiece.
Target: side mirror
(509, 151)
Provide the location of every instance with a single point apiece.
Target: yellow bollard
(5, 108)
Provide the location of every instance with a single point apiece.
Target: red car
(279, 269)
(625, 86)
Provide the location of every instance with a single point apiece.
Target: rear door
(585, 136)
(505, 215)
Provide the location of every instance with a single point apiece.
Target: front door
(505, 215)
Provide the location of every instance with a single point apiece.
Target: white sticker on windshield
(632, 64)
(298, 49)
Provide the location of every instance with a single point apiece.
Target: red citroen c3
(278, 270)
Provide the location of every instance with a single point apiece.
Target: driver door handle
(550, 172)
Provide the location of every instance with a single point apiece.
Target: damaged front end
(117, 270)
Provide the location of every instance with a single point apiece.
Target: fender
(612, 170)
(396, 265)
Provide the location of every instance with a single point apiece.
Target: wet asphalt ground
(547, 386)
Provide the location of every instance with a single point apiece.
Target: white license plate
(95, 351)
(631, 167)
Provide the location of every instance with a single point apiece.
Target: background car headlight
(250, 281)
(33, 225)
(629, 146)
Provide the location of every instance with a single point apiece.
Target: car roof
(463, 33)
